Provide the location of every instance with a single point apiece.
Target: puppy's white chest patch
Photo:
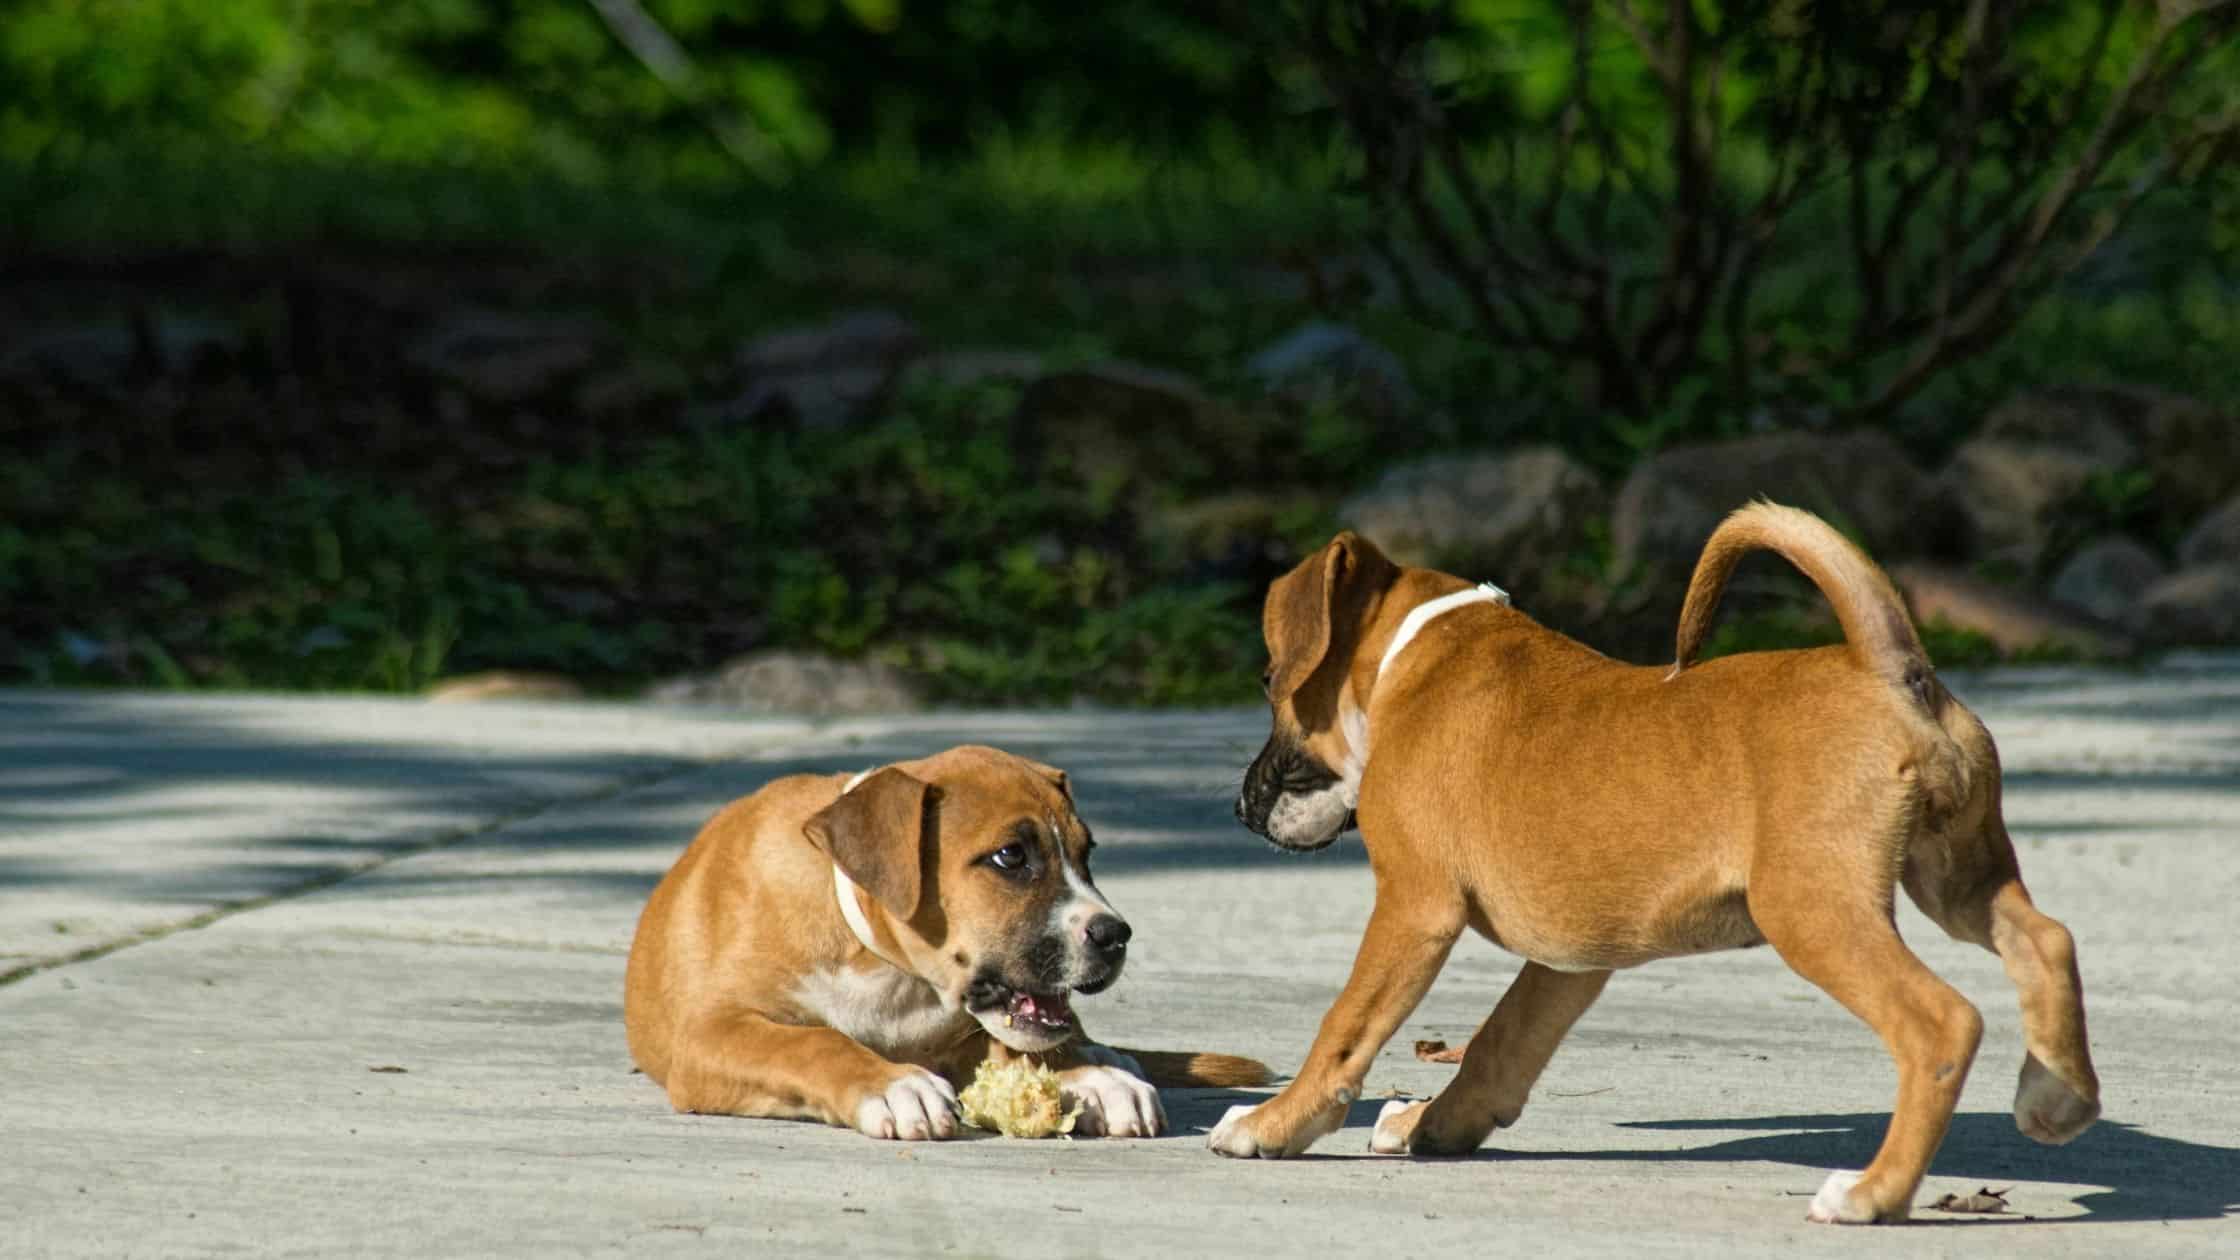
(886, 1009)
(1354, 724)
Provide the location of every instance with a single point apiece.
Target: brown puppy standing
(848, 949)
(1591, 815)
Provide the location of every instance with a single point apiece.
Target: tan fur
(742, 951)
(1592, 815)
(1185, 1069)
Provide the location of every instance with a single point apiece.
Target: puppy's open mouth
(1028, 1012)
(1050, 1012)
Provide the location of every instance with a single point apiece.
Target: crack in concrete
(326, 879)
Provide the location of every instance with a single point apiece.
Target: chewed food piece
(1018, 1099)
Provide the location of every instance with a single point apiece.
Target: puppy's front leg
(1504, 1059)
(1401, 952)
(744, 1064)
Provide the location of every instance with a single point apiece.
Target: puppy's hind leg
(1834, 928)
(1504, 1059)
(1978, 896)
(2058, 1096)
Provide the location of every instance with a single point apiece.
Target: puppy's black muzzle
(1278, 770)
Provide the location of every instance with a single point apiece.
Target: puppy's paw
(1396, 1126)
(1234, 1136)
(1842, 1202)
(1114, 1102)
(1240, 1135)
(2046, 1109)
(1105, 1056)
(916, 1106)
(1832, 1205)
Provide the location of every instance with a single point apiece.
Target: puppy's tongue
(1050, 1010)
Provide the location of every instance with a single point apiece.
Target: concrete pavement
(342, 977)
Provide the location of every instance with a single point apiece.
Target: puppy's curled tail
(1187, 1069)
(1874, 619)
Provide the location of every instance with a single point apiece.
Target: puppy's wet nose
(1109, 933)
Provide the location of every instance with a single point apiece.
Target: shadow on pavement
(174, 803)
(2149, 1177)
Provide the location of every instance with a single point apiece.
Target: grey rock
(781, 681)
(2193, 607)
(1858, 481)
(504, 359)
(2106, 577)
(1119, 388)
(1327, 363)
(2016, 620)
(966, 369)
(2215, 539)
(1241, 535)
(2079, 421)
(1511, 518)
(2190, 448)
(111, 353)
(1120, 424)
(632, 388)
(2016, 497)
(828, 374)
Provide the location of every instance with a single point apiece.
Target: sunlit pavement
(343, 976)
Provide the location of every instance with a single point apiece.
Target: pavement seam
(441, 840)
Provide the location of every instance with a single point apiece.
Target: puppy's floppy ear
(877, 833)
(1300, 618)
(1056, 776)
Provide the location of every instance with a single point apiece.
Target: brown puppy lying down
(849, 948)
(1591, 815)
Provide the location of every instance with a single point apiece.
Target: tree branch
(666, 60)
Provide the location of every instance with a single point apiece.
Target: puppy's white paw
(2046, 1109)
(1114, 1103)
(918, 1106)
(1396, 1124)
(1234, 1136)
(1230, 1136)
(1833, 1204)
(1106, 1056)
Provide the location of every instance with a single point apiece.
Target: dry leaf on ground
(1986, 1200)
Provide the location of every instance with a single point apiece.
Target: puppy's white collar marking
(850, 895)
(1420, 616)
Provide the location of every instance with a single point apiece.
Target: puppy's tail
(1187, 1069)
(1874, 619)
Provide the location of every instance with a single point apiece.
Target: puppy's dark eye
(1011, 857)
(1267, 679)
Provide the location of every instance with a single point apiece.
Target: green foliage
(1773, 630)
(1956, 647)
(1692, 212)
(920, 537)
(1949, 646)
(545, 86)
(314, 583)
(1145, 179)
